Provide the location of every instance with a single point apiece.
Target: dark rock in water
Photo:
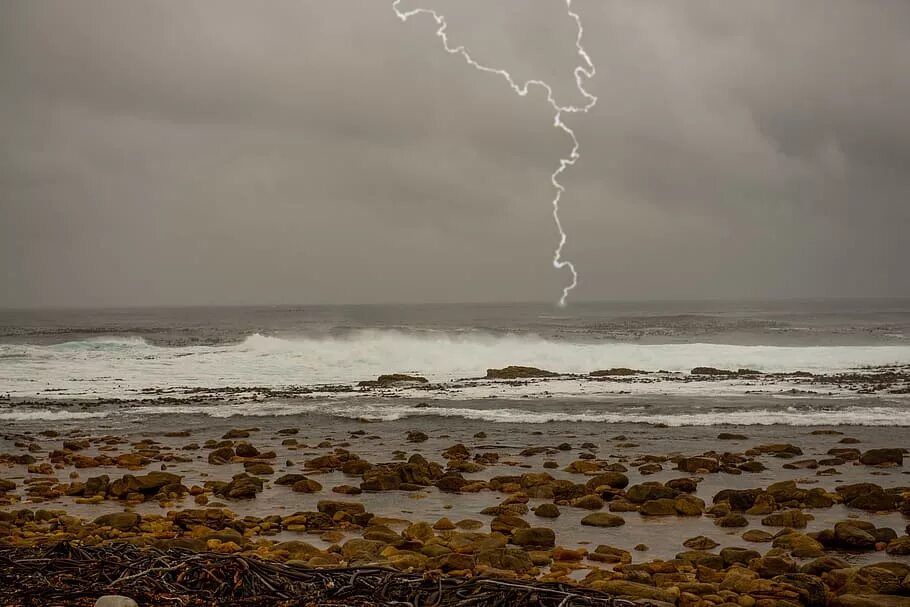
(685, 485)
(332, 507)
(516, 372)
(614, 480)
(246, 450)
(123, 521)
(153, 481)
(306, 485)
(236, 433)
(729, 436)
(805, 464)
(393, 379)
(96, 485)
(457, 451)
(823, 564)
(243, 486)
(415, 436)
(650, 491)
(534, 536)
(878, 457)
(76, 445)
(702, 558)
(851, 535)
(507, 523)
(588, 502)
(794, 519)
(732, 519)
(899, 547)
(602, 519)
(289, 479)
(712, 371)
(694, 464)
(617, 372)
(451, 483)
(222, 455)
(867, 496)
(547, 511)
(814, 593)
(779, 449)
(752, 466)
(700, 543)
(741, 556)
(659, 507)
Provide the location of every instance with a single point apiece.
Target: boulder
(740, 556)
(306, 485)
(848, 534)
(660, 507)
(588, 502)
(624, 588)
(689, 505)
(899, 547)
(794, 519)
(518, 372)
(879, 457)
(123, 521)
(534, 536)
(332, 507)
(694, 464)
(221, 456)
(243, 486)
(700, 543)
(547, 511)
(813, 592)
(602, 519)
(644, 492)
(613, 480)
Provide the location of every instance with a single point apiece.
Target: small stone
(547, 511)
(603, 519)
(115, 600)
(700, 543)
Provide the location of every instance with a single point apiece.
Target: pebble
(115, 600)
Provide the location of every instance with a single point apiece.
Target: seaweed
(72, 574)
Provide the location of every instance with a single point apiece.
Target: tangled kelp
(67, 573)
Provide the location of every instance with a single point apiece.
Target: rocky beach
(349, 457)
(706, 516)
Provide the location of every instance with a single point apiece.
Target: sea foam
(122, 367)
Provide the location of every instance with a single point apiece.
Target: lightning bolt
(582, 72)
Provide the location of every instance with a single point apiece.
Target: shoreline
(466, 498)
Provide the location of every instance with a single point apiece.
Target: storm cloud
(225, 152)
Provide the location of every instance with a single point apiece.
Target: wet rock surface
(757, 521)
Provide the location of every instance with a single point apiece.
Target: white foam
(122, 367)
(25, 414)
(793, 416)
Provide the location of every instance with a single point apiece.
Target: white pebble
(115, 600)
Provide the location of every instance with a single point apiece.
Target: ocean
(853, 359)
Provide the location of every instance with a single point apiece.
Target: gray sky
(226, 151)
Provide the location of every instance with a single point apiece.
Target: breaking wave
(114, 366)
(792, 416)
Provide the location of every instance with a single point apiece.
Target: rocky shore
(740, 522)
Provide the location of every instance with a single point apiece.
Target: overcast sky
(226, 151)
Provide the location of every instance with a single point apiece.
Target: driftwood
(69, 574)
